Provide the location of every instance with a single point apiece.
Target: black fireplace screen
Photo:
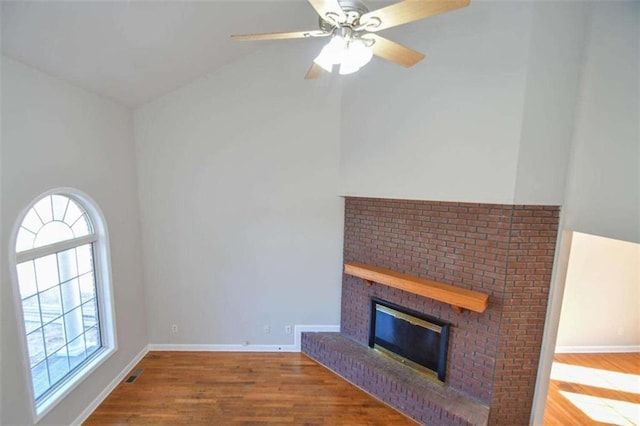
(412, 336)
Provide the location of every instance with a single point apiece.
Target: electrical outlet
(287, 329)
(267, 329)
(174, 328)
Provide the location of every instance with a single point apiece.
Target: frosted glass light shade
(350, 55)
(358, 55)
(332, 53)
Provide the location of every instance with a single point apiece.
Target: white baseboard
(110, 387)
(296, 347)
(178, 347)
(596, 349)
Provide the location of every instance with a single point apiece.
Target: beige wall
(601, 305)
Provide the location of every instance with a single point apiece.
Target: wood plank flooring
(594, 389)
(222, 388)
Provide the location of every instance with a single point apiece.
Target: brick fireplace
(505, 251)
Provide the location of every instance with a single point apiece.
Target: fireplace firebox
(411, 337)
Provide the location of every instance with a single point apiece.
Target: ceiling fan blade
(316, 71)
(331, 7)
(394, 52)
(408, 11)
(280, 36)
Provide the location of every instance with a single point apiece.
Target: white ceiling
(135, 51)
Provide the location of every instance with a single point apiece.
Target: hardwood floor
(594, 389)
(221, 388)
(224, 388)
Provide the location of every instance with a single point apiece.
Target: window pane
(89, 314)
(58, 365)
(50, 304)
(35, 345)
(87, 287)
(76, 351)
(31, 313)
(32, 222)
(25, 240)
(46, 272)
(82, 226)
(53, 336)
(59, 206)
(85, 258)
(67, 265)
(58, 291)
(27, 279)
(43, 208)
(53, 232)
(73, 324)
(40, 377)
(73, 213)
(70, 295)
(92, 338)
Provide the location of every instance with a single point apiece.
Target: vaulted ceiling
(135, 51)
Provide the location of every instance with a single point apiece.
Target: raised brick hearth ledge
(392, 382)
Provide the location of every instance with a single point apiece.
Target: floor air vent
(134, 376)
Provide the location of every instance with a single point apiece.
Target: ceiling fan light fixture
(332, 53)
(358, 55)
(347, 68)
(350, 22)
(351, 55)
(324, 62)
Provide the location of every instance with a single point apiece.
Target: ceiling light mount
(353, 10)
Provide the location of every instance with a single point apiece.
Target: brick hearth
(394, 383)
(505, 251)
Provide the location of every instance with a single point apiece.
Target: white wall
(602, 294)
(241, 218)
(2, 262)
(448, 128)
(489, 115)
(55, 135)
(603, 185)
(603, 195)
(556, 56)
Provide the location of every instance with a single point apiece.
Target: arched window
(62, 277)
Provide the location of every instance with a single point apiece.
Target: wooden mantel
(458, 298)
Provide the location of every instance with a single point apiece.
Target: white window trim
(33, 253)
(104, 289)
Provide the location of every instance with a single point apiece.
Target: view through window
(57, 282)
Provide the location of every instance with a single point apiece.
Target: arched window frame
(104, 292)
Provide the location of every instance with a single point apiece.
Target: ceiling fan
(352, 29)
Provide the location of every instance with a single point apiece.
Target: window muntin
(53, 219)
(56, 274)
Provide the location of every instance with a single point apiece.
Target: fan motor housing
(353, 9)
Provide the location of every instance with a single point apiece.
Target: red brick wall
(503, 250)
(529, 263)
